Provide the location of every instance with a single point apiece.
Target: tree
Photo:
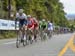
(51, 10)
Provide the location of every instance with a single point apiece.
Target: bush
(7, 34)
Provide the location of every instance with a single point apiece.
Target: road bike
(21, 37)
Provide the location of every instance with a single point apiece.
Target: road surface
(50, 47)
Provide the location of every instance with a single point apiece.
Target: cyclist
(50, 29)
(30, 27)
(22, 18)
(30, 22)
(43, 26)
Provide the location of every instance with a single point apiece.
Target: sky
(69, 6)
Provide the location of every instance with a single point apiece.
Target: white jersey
(50, 26)
(23, 16)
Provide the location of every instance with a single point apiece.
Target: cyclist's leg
(21, 25)
(24, 30)
(35, 34)
(31, 36)
(20, 31)
(41, 34)
(50, 34)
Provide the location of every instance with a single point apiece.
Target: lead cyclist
(22, 18)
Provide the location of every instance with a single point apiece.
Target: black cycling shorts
(22, 22)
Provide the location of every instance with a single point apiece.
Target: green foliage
(7, 34)
(51, 10)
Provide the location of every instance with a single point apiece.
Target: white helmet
(34, 18)
(20, 10)
(29, 16)
(43, 20)
(48, 21)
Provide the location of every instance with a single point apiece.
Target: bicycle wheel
(41, 35)
(50, 34)
(44, 36)
(30, 38)
(24, 36)
(24, 40)
(18, 41)
(35, 35)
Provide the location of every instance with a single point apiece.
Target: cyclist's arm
(25, 17)
(16, 19)
(40, 25)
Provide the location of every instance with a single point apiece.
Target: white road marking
(10, 42)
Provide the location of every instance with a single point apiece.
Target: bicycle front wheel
(18, 41)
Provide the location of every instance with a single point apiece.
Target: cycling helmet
(43, 20)
(20, 10)
(29, 16)
(34, 18)
(48, 21)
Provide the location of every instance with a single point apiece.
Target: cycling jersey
(22, 19)
(23, 16)
(31, 23)
(43, 25)
(35, 23)
(50, 26)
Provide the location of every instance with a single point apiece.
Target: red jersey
(31, 23)
(35, 24)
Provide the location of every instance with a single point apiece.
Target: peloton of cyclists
(32, 23)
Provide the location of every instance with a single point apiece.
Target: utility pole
(1, 8)
(9, 12)
(9, 9)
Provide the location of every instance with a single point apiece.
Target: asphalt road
(50, 47)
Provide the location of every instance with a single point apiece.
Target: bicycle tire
(18, 42)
